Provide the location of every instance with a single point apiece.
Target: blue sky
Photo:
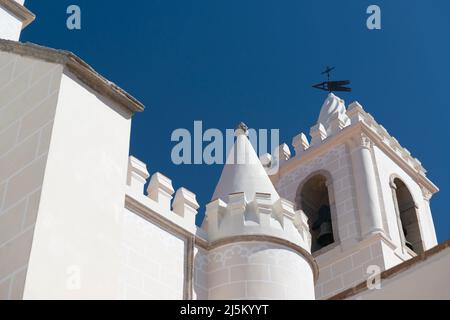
(255, 60)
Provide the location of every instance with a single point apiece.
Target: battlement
(337, 122)
(357, 114)
(181, 209)
(259, 216)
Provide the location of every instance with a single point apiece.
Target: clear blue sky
(225, 61)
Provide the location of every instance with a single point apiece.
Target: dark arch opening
(314, 200)
(407, 212)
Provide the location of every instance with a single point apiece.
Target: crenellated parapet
(180, 207)
(338, 119)
(259, 216)
(359, 115)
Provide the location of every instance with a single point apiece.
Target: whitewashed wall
(255, 270)
(200, 281)
(28, 96)
(10, 26)
(425, 280)
(152, 263)
(76, 246)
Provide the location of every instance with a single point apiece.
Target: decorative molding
(392, 185)
(269, 216)
(318, 134)
(361, 141)
(300, 144)
(275, 240)
(185, 202)
(160, 189)
(189, 268)
(137, 174)
(282, 152)
(427, 194)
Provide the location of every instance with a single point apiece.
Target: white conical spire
(243, 171)
(331, 108)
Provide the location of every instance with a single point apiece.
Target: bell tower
(14, 17)
(366, 198)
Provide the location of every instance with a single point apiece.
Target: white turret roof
(243, 172)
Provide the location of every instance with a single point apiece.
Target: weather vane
(331, 86)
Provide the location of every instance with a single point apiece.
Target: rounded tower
(259, 245)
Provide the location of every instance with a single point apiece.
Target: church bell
(323, 224)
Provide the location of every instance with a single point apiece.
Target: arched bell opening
(314, 199)
(407, 217)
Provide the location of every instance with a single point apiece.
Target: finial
(241, 129)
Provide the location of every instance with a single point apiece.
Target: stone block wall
(152, 261)
(28, 98)
(335, 164)
(343, 270)
(254, 271)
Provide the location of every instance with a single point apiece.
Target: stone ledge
(19, 11)
(80, 69)
(393, 271)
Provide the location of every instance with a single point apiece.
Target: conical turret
(243, 171)
(245, 201)
(247, 225)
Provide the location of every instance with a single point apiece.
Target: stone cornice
(19, 11)
(360, 141)
(80, 69)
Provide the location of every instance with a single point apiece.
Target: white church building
(346, 216)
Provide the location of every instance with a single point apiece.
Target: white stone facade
(28, 95)
(242, 271)
(77, 223)
(152, 261)
(10, 26)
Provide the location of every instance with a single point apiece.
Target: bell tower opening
(314, 200)
(408, 220)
